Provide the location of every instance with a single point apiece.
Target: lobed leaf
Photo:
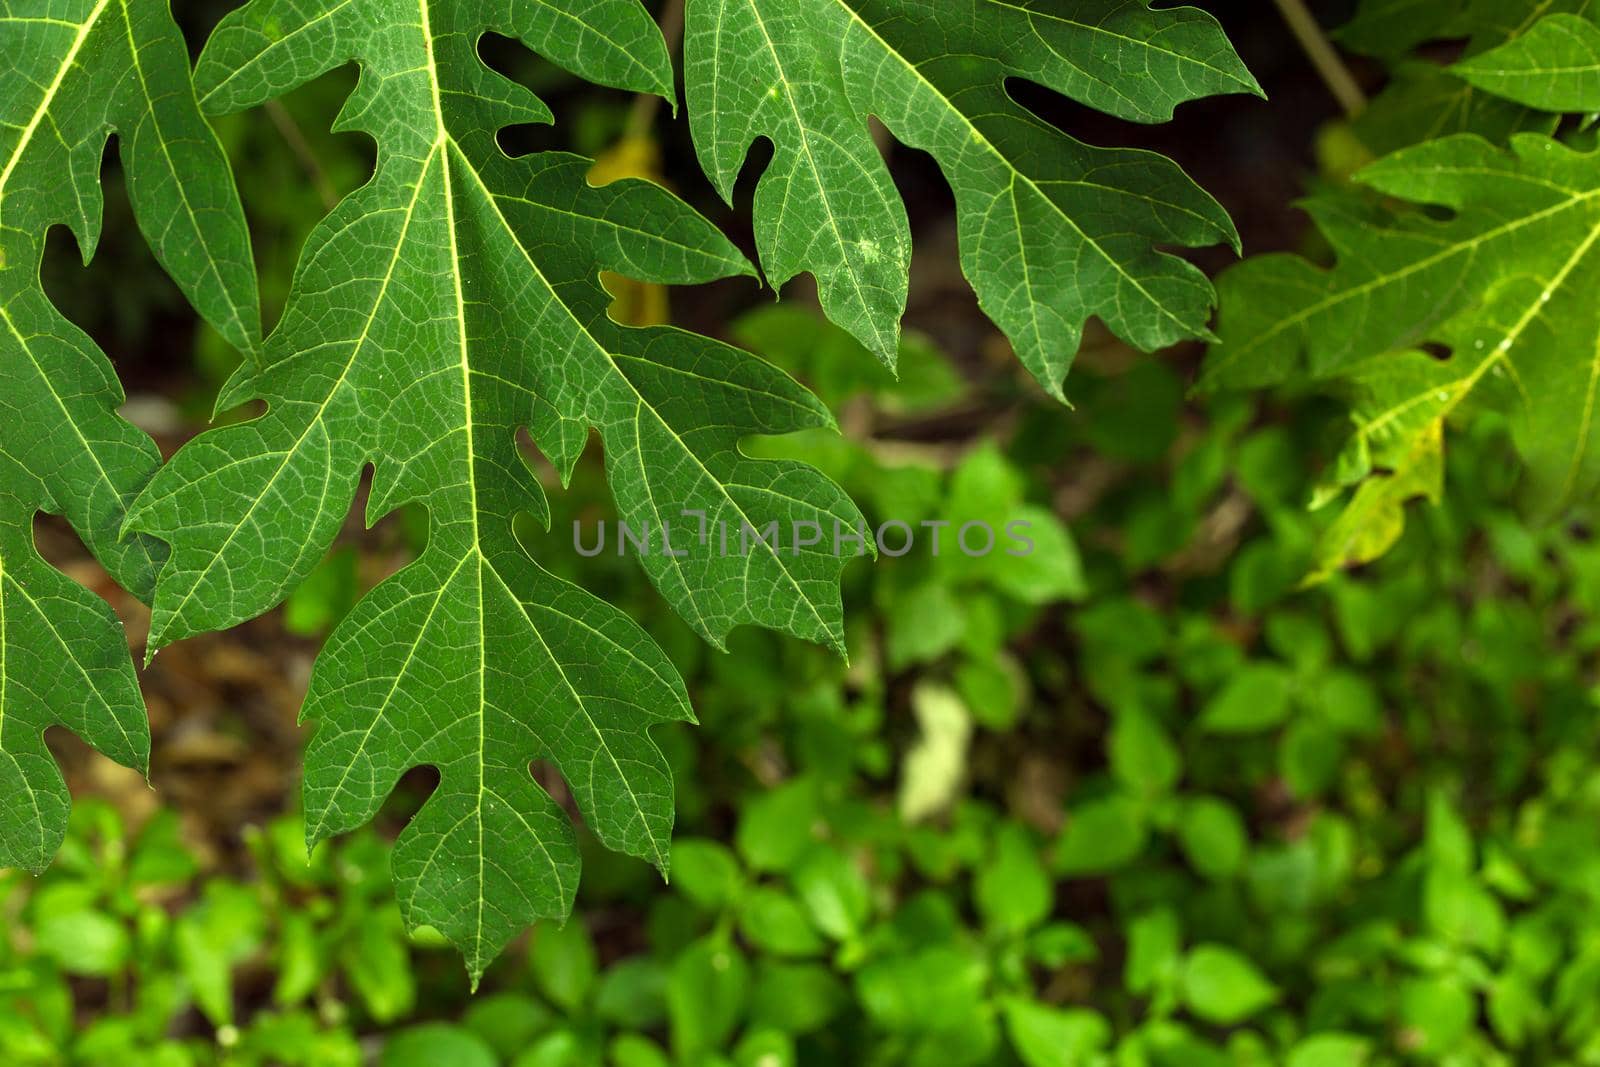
(1053, 231)
(1554, 66)
(76, 72)
(449, 303)
(1504, 288)
(1426, 99)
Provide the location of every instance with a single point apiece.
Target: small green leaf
(211, 939)
(775, 922)
(378, 965)
(1458, 908)
(797, 998)
(632, 993)
(1101, 835)
(1223, 987)
(706, 996)
(1433, 1014)
(994, 690)
(834, 892)
(1330, 1050)
(1057, 944)
(85, 941)
(631, 1050)
(160, 856)
(433, 1044)
(1051, 1037)
(706, 872)
(1012, 891)
(925, 622)
(1154, 953)
(1142, 755)
(1032, 556)
(1255, 699)
(508, 1022)
(1309, 757)
(1213, 836)
(563, 1048)
(764, 1048)
(776, 828)
(1446, 836)
(933, 989)
(564, 962)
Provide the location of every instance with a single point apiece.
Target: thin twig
(290, 131)
(1340, 82)
(642, 116)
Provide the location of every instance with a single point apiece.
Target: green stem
(1340, 82)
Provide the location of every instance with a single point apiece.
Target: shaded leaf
(1053, 231)
(1503, 286)
(75, 73)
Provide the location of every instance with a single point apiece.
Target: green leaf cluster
(75, 74)
(447, 336)
(1352, 824)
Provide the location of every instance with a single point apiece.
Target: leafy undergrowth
(1147, 802)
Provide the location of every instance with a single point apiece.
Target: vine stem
(295, 138)
(1324, 57)
(643, 113)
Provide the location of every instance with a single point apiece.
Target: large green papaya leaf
(1428, 97)
(1053, 231)
(1500, 294)
(75, 72)
(447, 304)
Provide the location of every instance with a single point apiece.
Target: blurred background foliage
(1142, 798)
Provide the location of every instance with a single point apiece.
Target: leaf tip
(1056, 390)
(131, 520)
(166, 628)
(887, 350)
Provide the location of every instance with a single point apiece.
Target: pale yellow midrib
(441, 139)
(440, 149)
